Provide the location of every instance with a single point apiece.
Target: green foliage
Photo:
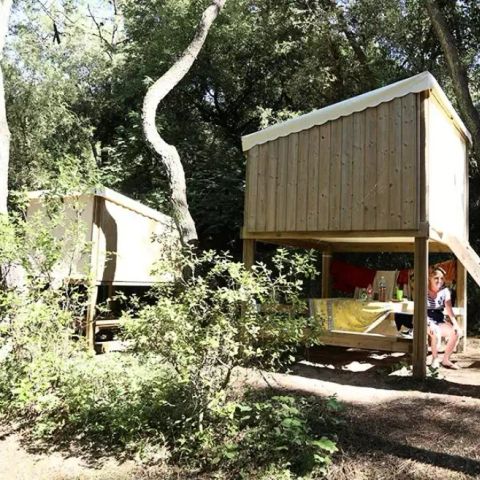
(50, 88)
(57, 384)
(51, 242)
(8, 252)
(221, 315)
(264, 435)
(276, 431)
(36, 340)
(38, 320)
(214, 318)
(170, 398)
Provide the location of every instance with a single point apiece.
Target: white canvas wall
(131, 236)
(101, 223)
(446, 179)
(72, 227)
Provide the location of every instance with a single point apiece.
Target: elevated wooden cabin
(383, 171)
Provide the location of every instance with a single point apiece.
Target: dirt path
(393, 427)
(18, 462)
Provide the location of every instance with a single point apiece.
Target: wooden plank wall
(354, 173)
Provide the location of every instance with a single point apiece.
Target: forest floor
(393, 427)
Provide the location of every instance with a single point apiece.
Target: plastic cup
(399, 294)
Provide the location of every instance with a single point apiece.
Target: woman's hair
(438, 269)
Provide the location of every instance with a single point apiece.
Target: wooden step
(110, 346)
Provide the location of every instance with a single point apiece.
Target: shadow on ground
(410, 438)
(362, 368)
(391, 427)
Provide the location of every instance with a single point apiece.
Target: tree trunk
(457, 71)
(11, 275)
(5, 8)
(168, 153)
(352, 39)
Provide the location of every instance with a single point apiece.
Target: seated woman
(438, 299)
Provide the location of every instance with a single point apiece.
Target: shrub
(268, 432)
(169, 397)
(222, 315)
(218, 317)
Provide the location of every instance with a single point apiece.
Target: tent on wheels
(120, 240)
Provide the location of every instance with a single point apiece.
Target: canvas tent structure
(121, 249)
(384, 171)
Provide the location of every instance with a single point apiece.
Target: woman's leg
(447, 331)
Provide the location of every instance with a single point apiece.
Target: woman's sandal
(451, 366)
(435, 364)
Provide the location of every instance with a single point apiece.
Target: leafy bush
(220, 316)
(269, 433)
(223, 315)
(169, 398)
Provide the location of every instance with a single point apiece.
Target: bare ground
(394, 427)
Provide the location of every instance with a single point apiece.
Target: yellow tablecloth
(348, 314)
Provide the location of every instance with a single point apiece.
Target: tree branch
(168, 154)
(457, 71)
(352, 40)
(110, 49)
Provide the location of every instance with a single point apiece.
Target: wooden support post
(326, 262)
(90, 326)
(420, 309)
(93, 283)
(461, 302)
(110, 293)
(248, 253)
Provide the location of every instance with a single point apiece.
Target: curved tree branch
(457, 70)
(168, 154)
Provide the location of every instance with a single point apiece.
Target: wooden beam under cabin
(248, 253)
(366, 341)
(423, 231)
(326, 262)
(351, 247)
(461, 302)
(90, 316)
(420, 309)
(98, 203)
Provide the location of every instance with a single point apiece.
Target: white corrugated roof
(119, 199)
(419, 83)
(132, 204)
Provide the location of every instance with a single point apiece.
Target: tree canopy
(76, 75)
